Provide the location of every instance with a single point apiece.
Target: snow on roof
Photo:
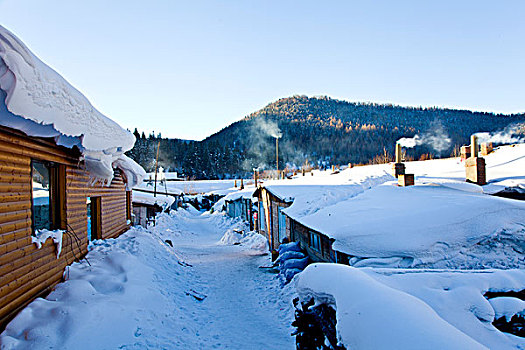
(161, 200)
(505, 168)
(43, 104)
(311, 193)
(424, 224)
(233, 196)
(411, 309)
(439, 222)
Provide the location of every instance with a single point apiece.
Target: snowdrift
(411, 309)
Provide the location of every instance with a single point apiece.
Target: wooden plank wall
(301, 234)
(25, 271)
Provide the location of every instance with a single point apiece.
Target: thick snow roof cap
(44, 104)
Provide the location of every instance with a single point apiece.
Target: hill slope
(322, 130)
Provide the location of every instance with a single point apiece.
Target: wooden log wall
(301, 234)
(25, 271)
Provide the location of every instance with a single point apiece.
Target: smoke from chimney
(436, 137)
(514, 133)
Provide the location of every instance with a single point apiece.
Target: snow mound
(44, 104)
(250, 240)
(371, 315)
(231, 237)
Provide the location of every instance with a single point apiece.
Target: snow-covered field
(139, 292)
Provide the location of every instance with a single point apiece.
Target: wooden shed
(271, 219)
(45, 185)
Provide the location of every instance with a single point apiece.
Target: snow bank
(371, 315)
(251, 240)
(42, 103)
(41, 236)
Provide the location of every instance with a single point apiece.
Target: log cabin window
(45, 209)
(315, 241)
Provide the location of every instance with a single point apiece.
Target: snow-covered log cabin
(64, 178)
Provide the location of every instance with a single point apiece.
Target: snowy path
(241, 309)
(141, 293)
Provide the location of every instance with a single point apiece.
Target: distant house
(147, 205)
(64, 178)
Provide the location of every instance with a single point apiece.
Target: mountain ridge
(322, 130)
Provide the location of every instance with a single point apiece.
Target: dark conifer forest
(320, 130)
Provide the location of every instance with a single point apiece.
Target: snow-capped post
(235, 183)
(156, 166)
(473, 146)
(255, 177)
(474, 165)
(242, 184)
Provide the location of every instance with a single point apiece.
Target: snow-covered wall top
(43, 104)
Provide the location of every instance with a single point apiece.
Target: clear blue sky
(189, 68)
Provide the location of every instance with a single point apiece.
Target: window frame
(56, 194)
(315, 237)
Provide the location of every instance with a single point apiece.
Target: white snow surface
(411, 309)
(205, 186)
(424, 226)
(44, 104)
(507, 307)
(133, 172)
(141, 293)
(161, 200)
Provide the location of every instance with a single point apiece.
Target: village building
(146, 206)
(271, 221)
(64, 178)
(331, 218)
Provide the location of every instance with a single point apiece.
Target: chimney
(475, 166)
(405, 180)
(398, 153)
(398, 168)
(465, 152)
(486, 148)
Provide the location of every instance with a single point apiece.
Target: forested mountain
(321, 130)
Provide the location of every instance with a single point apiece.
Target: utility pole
(156, 166)
(277, 153)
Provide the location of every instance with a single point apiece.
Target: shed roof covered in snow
(147, 198)
(41, 103)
